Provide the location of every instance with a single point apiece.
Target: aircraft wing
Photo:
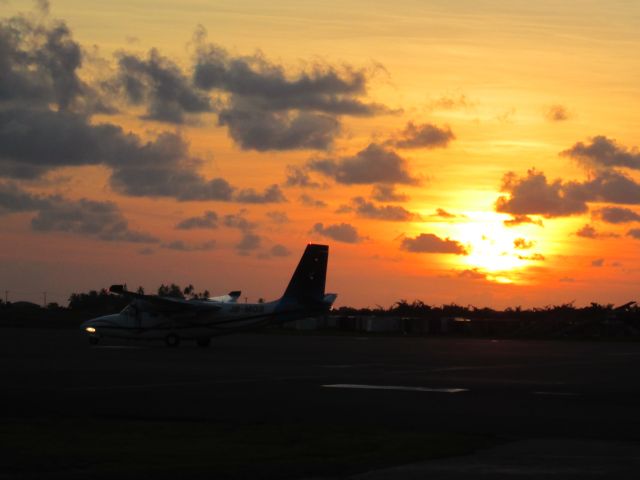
(167, 305)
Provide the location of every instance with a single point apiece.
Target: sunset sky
(467, 151)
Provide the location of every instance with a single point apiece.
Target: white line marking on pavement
(396, 387)
(558, 394)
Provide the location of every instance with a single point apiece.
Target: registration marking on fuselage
(396, 387)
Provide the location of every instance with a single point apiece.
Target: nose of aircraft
(92, 326)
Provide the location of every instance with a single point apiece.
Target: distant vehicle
(150, 317)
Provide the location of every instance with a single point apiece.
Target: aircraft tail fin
(308, 281)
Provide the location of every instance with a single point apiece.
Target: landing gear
(203, 342)
(172, 340)
(94, 340)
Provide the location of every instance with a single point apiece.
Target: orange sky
(106, 147)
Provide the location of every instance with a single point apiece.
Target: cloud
(522, 244)
(208, 219)
(635, 233)
(521, 220)
(374, 164)
(588, 231)
(298, 177)
(426, 135)
(268, 109)
(394, 213)
(279, 251)
(556, 113)
(238, 221)
(387, 193)
(430, 243)
(604, 152)
(102, 220)
(309, 201)
(272, 194)
(442, 213)
(342, 232)
(609, 186)
(39, 62)
(451, 103)
(249, 241)
(617, 215)
(181, 246)
(534, 256)
(598, 262)
(472, 274)
(33, 142)
(278, 217)
(15, 199)
(532, 195)
(264, 131)
(160, 84)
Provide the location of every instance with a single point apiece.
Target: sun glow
(493, 248)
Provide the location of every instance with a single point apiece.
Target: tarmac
(565, 409)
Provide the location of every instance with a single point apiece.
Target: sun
(493, 248)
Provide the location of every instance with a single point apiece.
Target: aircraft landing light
(90, 330)
(397, 387)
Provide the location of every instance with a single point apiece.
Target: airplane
(150, 317)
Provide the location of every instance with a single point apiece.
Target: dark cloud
(374, 164)
(181, 246)
(556, 113)
(280, 251)
(441, 213)
(208, 219)
(387, 193)
(604, 152)
(298, 177)
(588, 231)
(309, 201)
(15, 199)
(159, 83)
(265, 131)
(238, 221)
(39, 63)
(423, 136)
(635, 233)
(394, 213)
(521, 220)
(272, 194)
(532, 195)
(342, 232)
(608, 186)
(249, 241)
(278, 217)
(617, 215)
(102, 220)
(598, 262)
(522, 244)
(430, 243)
(268, 109)
(33, 142)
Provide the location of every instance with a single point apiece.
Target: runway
(511, 390)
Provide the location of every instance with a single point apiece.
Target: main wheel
(93, 340)
(203, 342)
(172, 340)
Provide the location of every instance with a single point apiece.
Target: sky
(473, 152)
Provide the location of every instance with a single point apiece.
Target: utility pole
(6, 296)
(45, 299)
